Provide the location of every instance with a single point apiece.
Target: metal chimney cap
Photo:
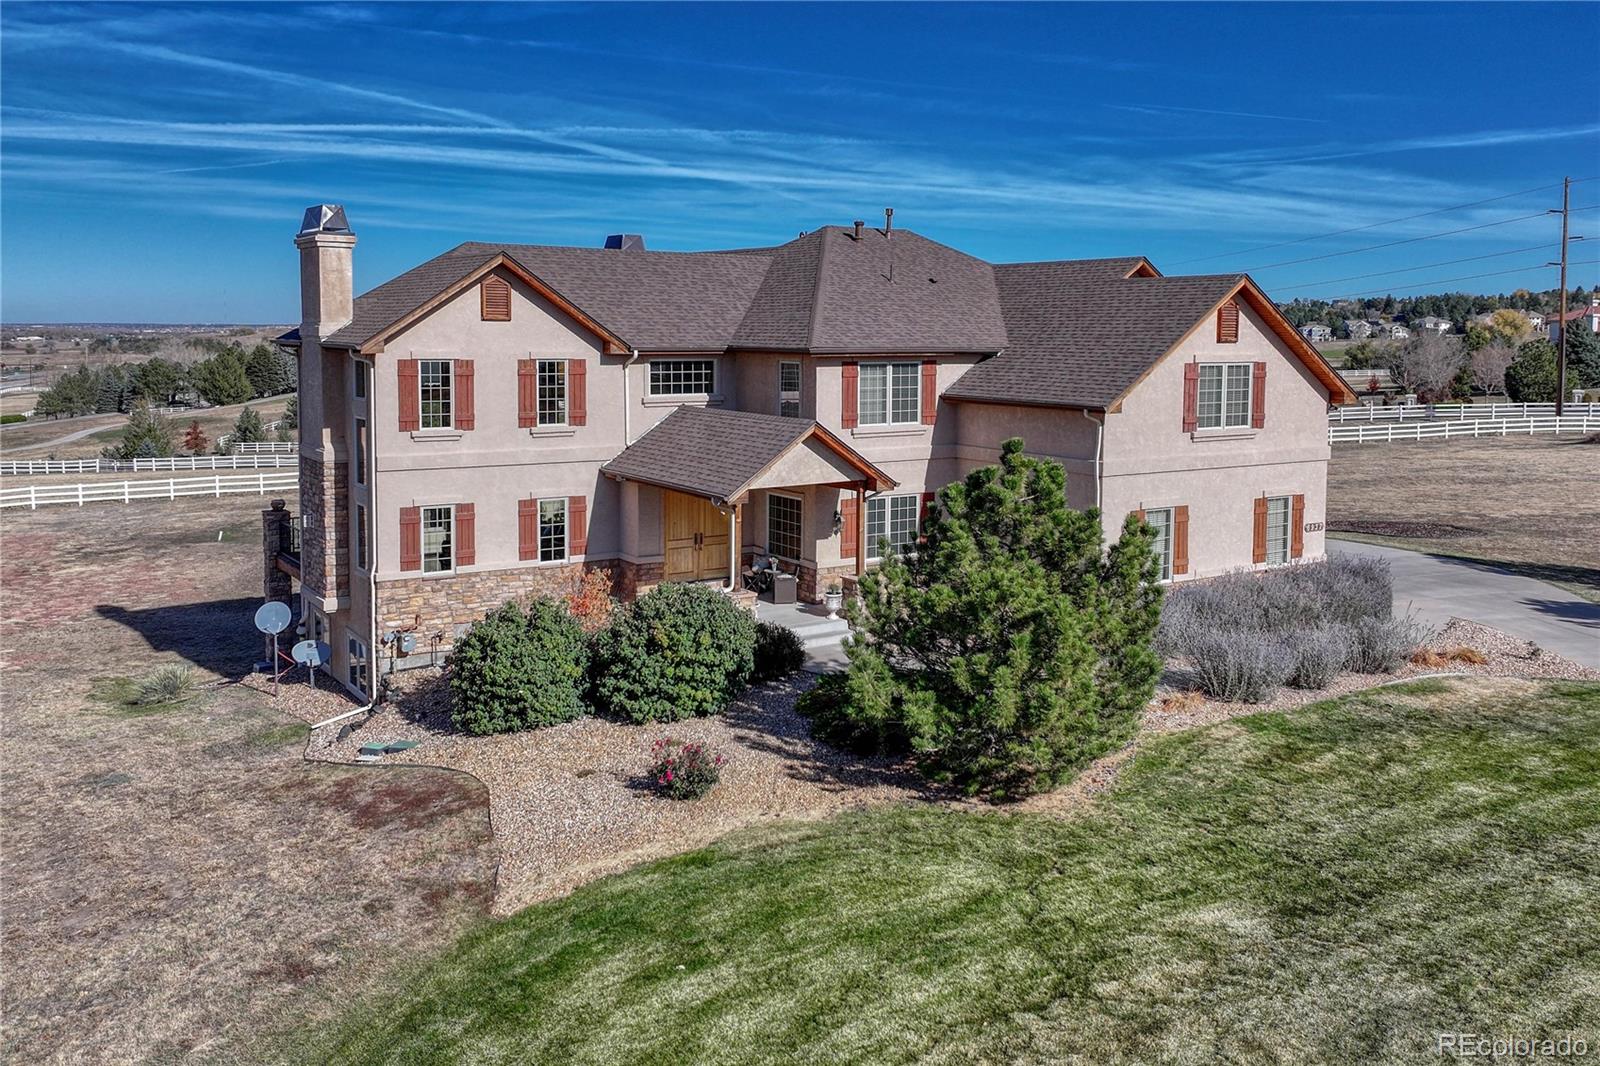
(627, 242)
(324, 218)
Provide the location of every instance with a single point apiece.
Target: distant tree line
(1458, 307)
(231, 375)
(1444, 368)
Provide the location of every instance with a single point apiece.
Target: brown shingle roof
(394, 299)
(1076, 341)
(717, 454)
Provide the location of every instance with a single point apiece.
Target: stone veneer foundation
(435, 607)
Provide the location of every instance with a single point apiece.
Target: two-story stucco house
(503, 418)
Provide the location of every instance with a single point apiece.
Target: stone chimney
(327, 278)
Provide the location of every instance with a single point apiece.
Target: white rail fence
(1462, 427)
(120, 466)
(36, 496)
(265, 447)
(224, 440)
(1445, 411)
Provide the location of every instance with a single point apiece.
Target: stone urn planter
(833, 599)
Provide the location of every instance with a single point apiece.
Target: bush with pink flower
(684, 770)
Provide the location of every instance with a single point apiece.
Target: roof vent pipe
(888, 222)
(859, 224)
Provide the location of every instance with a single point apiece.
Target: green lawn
(1338, 884)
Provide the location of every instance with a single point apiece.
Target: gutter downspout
(627, 407)
(1099, 440)
(373, 673)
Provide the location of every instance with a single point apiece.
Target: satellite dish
(312, 653)
(272, 617)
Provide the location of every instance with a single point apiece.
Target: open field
(47, 438)
(1339, 884)
(1528, 504)
(178, 878)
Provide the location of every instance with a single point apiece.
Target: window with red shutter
(465, 413)
(410, 412)
(1180, 539)
(849, 378)
(577, 392)
(930, 391)
(1258, 396)
(466, 535)
(410, 538)
(495, 298)
(1258, 549)
(527, 393)
(577, 525)
(1297, 526)
(527, 530)
(849, 528)
(1191, 397)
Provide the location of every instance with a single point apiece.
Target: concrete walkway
(1437, 588)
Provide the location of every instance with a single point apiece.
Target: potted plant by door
(833, 599)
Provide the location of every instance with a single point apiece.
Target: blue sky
(156, 158)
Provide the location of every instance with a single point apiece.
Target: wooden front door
(696, 536)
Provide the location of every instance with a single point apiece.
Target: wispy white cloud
(1170, 109)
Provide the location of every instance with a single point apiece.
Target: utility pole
(1561, 353)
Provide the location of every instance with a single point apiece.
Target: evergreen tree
(111, 390)
(74, 393)
(248, 427)
(268, 371)
(221, 380)
(157, 381)
(1532, 378)
(146, 436)
(1583, 357)
(1008, 648)
(291, 414)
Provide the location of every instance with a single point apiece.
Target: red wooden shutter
(1140, 513)
(577, 526)
(410, 417)
(922, 516)
(1180, 539)
(411, 538)
(495, 296)
(1191, 396)
(1258, 550)
(1297, 526)
(849, 376)
(1228, 323)
(466, 534)
(1258, 396)
(466, 413)
(930, 391)
(527, 529)
(849, 529)
(577, 392)
(527, 393)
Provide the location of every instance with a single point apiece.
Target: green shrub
(6, 420)
(519, 668)
(856, 712)
(684, 771)
(678, 651)
(779, 652)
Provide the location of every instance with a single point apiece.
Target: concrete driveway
(1436, 588)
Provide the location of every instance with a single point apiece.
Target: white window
(783, 526)
(438, 539)
(361, 536)
(358, 663)
(552, 392)
(789, 390)
(434, 384)
(361, 451)
(1278, 529)
(553, 530)
(889, 394)
(1224, 400)
(893, 519)
(682, 377)
(1160, 519)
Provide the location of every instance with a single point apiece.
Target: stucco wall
(1064, 435)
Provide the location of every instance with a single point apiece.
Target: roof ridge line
(816, 289)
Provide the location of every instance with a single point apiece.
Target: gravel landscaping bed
(571, 803)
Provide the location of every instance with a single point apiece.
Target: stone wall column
(275, 584)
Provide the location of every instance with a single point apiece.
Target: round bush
(779, 652)
(1240, 666)
(679, 651)
(519, 669)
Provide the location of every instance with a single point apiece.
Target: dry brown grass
(179, 880)
(1525, 503)
(38, 440)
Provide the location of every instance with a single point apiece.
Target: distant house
(1589, 316)
(1316, 332)
(1393, 330)
(1535, 319)
(1433, 324)
(1359, 329)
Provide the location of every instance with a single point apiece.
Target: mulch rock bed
(573, 802)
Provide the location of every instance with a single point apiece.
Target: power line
(1376, 225)
(1396, 244)
(1463, 277)
(1405, 270)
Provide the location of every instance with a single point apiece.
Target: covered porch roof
(723, 455)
